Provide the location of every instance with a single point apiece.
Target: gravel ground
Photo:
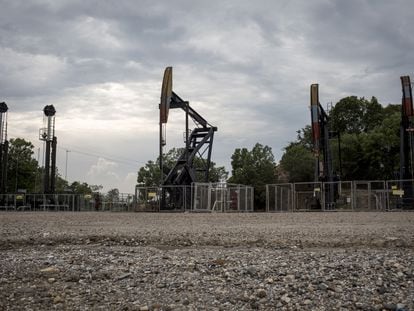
(145, 261)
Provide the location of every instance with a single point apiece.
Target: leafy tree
(113, 195)
(149, 175)
(80, 188)
(299, 162)
(256, 168)
(22, 168)
(356, 115)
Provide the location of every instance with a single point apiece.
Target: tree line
(25, 174)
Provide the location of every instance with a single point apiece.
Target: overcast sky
(245, 66)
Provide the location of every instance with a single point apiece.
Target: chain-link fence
(370, 195)
(400, 194)
(279, 198)
(222, 197)
(164, 198)
(121, 202)
(341, 196)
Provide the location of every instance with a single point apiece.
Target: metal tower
(47, 134)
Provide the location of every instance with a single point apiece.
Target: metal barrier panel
(222, 197)
(369, 195)
(175, 198)
(147, 199)
(307, 196)
(123, 202)
(279, 198)
(201, 197)
(400, 194)
(340, 195)
(249, 199)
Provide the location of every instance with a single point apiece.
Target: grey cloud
(238, 62)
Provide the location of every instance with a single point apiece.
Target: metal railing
(199, 197)
(373, 195)
(67, 202)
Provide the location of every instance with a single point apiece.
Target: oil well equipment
(321, 136)
(193, 164)
(406, 144)
(47, 134)
(4, 147)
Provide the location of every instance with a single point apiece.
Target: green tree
(113, 195)
(80, 187)
(356, 115)
(22, 168)
(256, 168)
(299, 162)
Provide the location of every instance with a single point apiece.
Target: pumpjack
(321, 136)
(193, 165)
(4, 147)
(406, 146)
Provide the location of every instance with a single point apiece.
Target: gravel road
(167, 261)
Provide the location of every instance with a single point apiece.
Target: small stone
(186, 302)
(57, 300)
(123, 276)
(270, 281)
(285, 299)
(390, 306)
(289, 278)
(254, 305)
(323, 286)
(400, 307)
(50, 270)
(252, 271)
(51, 280)
(143, 308)
(261, 293)
(307, 302)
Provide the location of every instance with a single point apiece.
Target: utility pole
(66, 165)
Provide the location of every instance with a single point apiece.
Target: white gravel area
(186, 261)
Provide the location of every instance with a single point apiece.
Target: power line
(124, 161)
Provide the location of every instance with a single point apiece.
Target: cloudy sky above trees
(246, 66)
